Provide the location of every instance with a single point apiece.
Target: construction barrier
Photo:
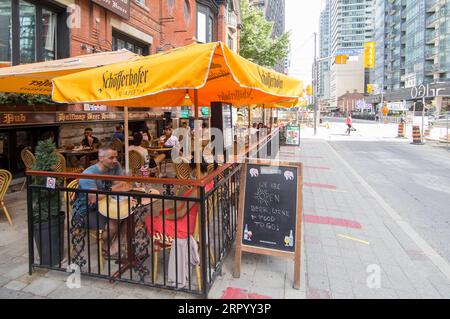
(401, 130)
(417, 136)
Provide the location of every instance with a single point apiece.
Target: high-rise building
(412, 46)
(274, 10)
(351, 25)
(323, 85)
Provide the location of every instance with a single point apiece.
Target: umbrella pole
(196, 143)
(127, 164)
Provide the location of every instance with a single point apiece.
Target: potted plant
(48, 220)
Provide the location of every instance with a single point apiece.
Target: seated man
(107, 165)
(89, 140)
(118, 134)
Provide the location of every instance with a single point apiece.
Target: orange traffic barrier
(401, 130)
(417, 136)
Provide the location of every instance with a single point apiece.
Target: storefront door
(13, 141)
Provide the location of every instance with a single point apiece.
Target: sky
(302, 18)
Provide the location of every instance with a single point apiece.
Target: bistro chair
(61, 166)
(118, 146)
(183, 170)
(5, 180)
(136, 161)
(28, 160)
(92, 232)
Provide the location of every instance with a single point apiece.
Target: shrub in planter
(48, 220)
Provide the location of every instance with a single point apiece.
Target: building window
(187, 12)
(205, 24)
(5, 30)
(141, 2)
(123, 41)
(230, 42)
(29, 32)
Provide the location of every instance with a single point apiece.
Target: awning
(164, 79)
(35, 78)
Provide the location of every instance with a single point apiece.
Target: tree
(256, 41)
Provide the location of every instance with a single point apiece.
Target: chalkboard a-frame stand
(250, 238)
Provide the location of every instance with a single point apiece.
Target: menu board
(292, 135)
(270, 207)
(270, 212)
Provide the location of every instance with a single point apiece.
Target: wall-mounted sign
(93, 107)
(119, 7)
(424, 90)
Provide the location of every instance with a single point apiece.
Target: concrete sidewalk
(354, 246)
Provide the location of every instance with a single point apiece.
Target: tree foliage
(256, 41)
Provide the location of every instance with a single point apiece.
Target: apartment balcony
(432, 8)
(432, 20)
(430, 53)
(431, 37)
(232, 20)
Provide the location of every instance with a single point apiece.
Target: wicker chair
(118, 146)
(28, 160)
(183, 170)
(61, 166)
(136, 162)
(92, 232)
(5, 180)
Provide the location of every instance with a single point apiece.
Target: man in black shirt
(89, 140)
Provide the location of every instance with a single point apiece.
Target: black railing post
(204, 248)
(30, 226)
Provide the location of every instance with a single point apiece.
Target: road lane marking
(435, 258)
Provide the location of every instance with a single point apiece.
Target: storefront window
(27, 32)
(121, 41)
(5, 30)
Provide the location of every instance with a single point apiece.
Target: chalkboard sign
(270, 207)
(270, 212)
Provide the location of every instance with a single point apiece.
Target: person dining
(118, 134)
(137, 146)
(89, 139)
(86, 209)
(168, 139)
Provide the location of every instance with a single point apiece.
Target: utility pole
(315, 80)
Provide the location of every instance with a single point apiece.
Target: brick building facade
(32, 31)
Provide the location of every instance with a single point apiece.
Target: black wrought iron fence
(173, 235)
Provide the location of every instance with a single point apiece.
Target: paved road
(414, 180)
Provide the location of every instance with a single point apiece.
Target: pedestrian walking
(348, 121)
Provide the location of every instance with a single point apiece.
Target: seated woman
(165, 222)
(152, 163)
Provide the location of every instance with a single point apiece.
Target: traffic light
(369, 55)
(341, 59)
(369, 88)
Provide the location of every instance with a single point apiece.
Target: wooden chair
(118, 146)
(28, 160)
(5, 180)
(136, 162)
(92, 232)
